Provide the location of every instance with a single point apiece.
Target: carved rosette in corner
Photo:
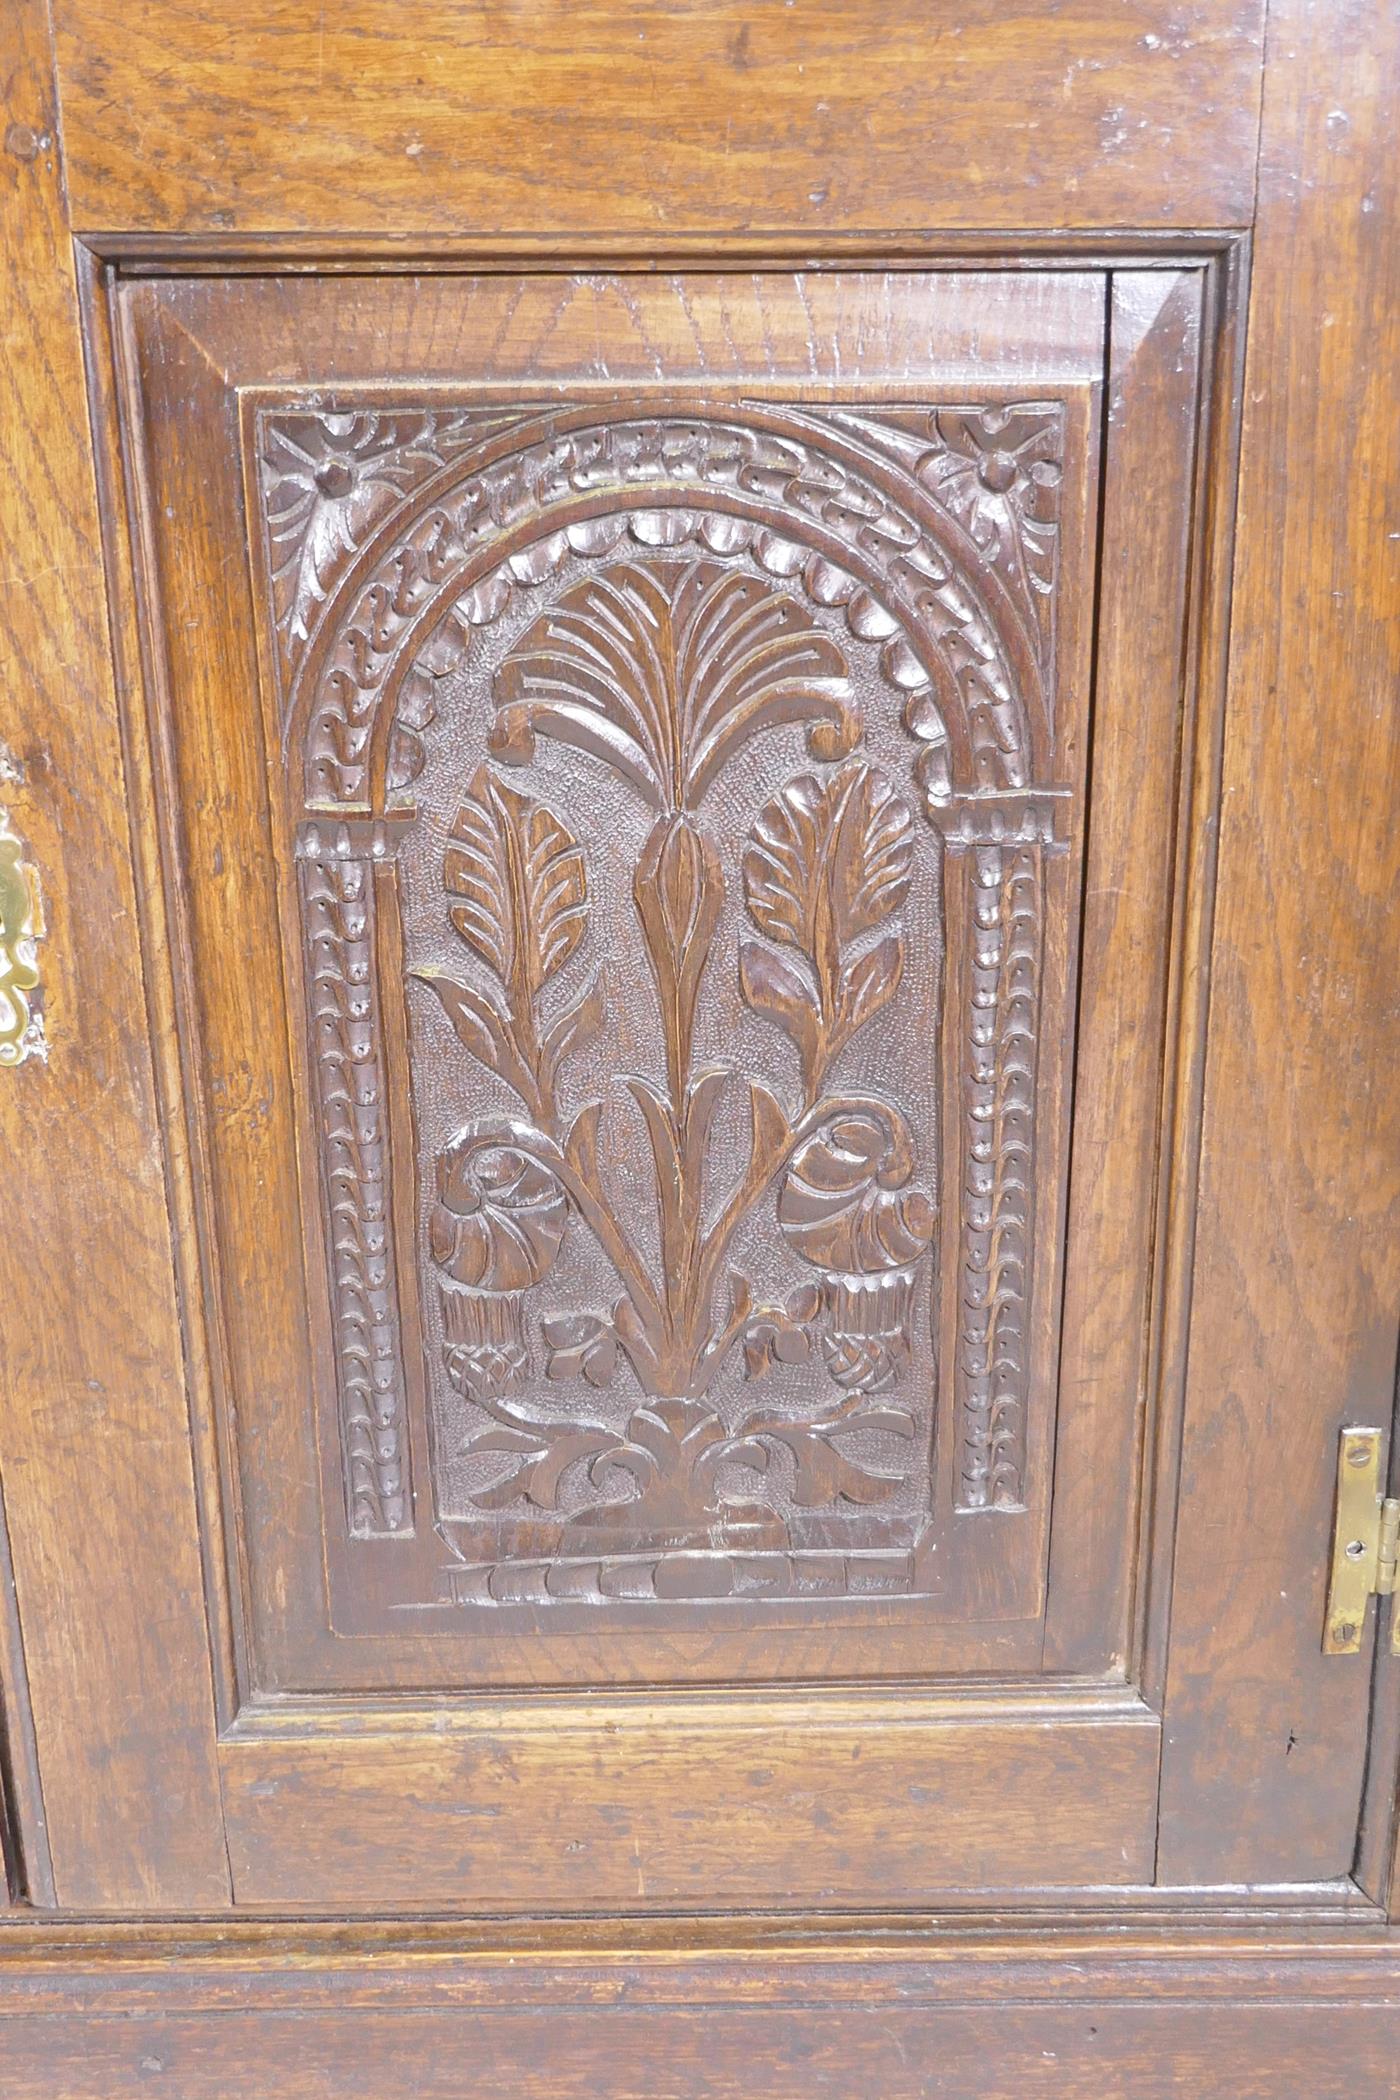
(336, 870)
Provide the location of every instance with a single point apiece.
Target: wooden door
(673, 781)
(628, 804)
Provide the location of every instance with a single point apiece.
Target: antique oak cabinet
(698, 1048)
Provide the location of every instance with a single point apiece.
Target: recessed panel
(664, 782)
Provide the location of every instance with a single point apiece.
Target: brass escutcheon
(21, 927)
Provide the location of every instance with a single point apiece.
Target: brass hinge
(1365, 1545)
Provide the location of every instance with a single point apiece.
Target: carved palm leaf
(747, 658)
(664, 671)
(516, 876)
(595, 671)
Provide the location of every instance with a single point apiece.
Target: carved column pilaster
(996, 847)
(336, 863)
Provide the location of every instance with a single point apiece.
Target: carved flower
(326, 479)
(998, 471)
(500, 1216)
(845, 1205)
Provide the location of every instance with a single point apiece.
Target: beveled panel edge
(135, 254)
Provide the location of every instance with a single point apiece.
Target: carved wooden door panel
(674, 1079)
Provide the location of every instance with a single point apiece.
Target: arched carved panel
(683, 742)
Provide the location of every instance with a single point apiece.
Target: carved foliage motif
(665, 673)
(328, 479)
(998, 472)
(694, 572)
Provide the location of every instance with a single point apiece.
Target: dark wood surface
(578, 200)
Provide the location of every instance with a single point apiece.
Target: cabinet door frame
(115, 1862)
(264, 1745)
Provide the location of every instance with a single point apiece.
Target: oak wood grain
(94, 1441)
(645, 1807)
(717, 2014)
(189, 347)
(525, 141)
(629, 116)
(1298, 1255)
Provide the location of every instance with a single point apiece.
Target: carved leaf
(771, 986)
(664, 671)
(483, 1025)
(824, 1474)
(768, 1127)
(830, 859)
(550, 1453)
(517, 876)
(679, 891)
(871, 981)
(581, 1146)
(578, 1025)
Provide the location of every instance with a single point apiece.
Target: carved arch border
(981, 794)
(417, 559)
